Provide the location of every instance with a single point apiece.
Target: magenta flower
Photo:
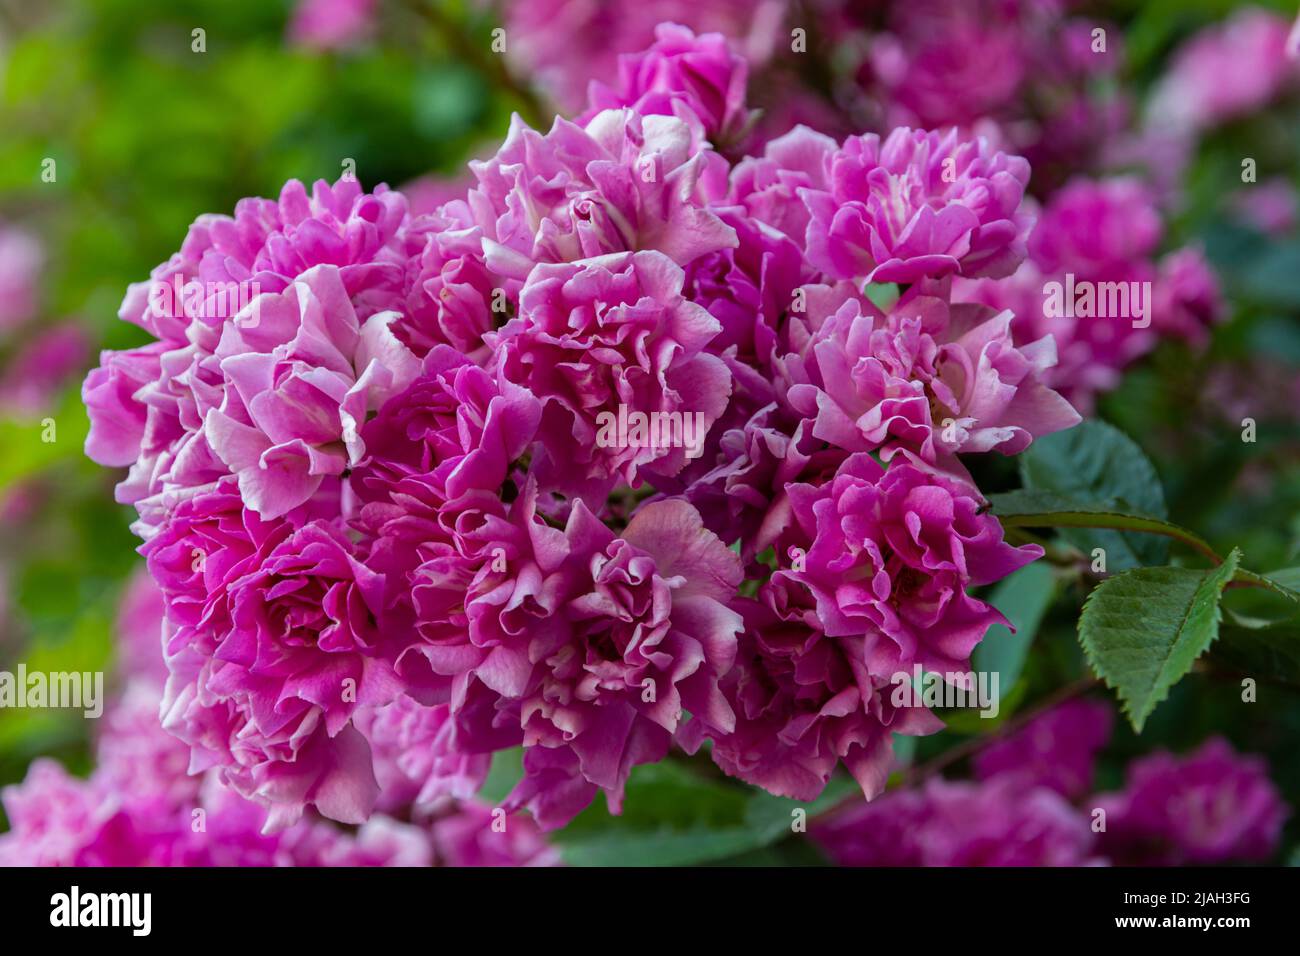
(452, 297)
(432, 490)
(1097, 227)
(225, 262)
(744, 497)
(21, 260)
(951, 64)
(117, 421)
(36, 374)
(1271, 206)
(645, 635)
(890, 555)
(474, 835)
(416, 762)
(763, 440)
(804, 703)
(1212, 806)
(562, 46)
(1021, 71)
(611, 449)
(1056, 750)
(454, 430)
(769, 186)
(695, 78)
(298, 764)
(1187, 301)
(584, 646)
(748, 289)
(918, 205)
(1205, 85)
(426, 195)
(235, 835)
(274, 645)
(1091, 266)
(380, 841)
(135, 753)
(147, 770)
(58, 820)
(299, 384)
(929, 378)
(272, 346)
(621, 183)
(599, 339)
(140, 809)
(330, 24)
(305, 615)
(961, 824)
(140, 629)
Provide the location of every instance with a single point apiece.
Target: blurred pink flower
(1271, 206)
(331, 24)
(696, 78)
(1223, 72)
(140, 629)
(1094, 235)
(141, 807)
(1212, 806)
(999, 823)
(1057, 749)
(21, 259)
(474, 834)
(31, 381)
(563, 45)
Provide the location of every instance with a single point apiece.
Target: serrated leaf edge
(1225, 571)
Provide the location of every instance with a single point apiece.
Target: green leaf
(1142, 630)
(673, 817)
(1023, 597)
(771, 816)
(1287, 577)
(507, 770)
(661, 847)
(882, 295)
(1095, 463)
(1040, 509)
(904, 751)
(1285, 581)
(1257, 604)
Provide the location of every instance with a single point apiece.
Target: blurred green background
(146, 135)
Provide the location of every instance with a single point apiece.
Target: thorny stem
(1101, 522)
(1055, 553)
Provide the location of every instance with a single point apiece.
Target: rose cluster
(639, 442)
(143, 806)
(1029, 805)
(37, 358)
